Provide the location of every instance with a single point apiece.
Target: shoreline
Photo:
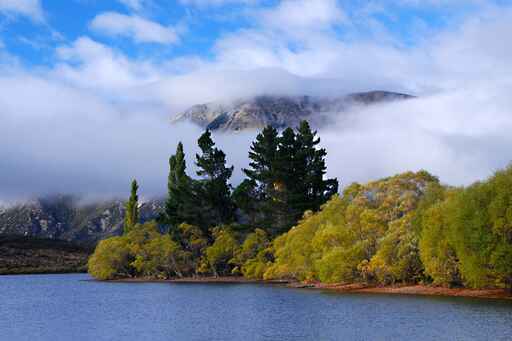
(416, 289)
(200, 280)
(63, 271)
(413, 289)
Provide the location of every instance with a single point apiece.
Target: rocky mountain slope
(279, 111)
(67, 218)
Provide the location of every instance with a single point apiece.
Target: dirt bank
(343, 288)
(410, 290)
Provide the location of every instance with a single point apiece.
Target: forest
(285, 220)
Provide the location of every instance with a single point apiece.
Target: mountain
(279, 111)
(65, 217)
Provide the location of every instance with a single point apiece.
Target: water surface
(69, 307)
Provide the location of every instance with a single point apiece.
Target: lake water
(69, 307)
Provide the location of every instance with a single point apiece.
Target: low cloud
(461, 137)
(97, 118)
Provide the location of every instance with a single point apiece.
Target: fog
(95, 119)
(93, 149)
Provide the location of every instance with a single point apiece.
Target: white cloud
(136, 27)
(99, 104)
(461, 137)
(95, 67)
(136, 5)
(304, 14)
(207, 3)
(78, 142)
(29, 8)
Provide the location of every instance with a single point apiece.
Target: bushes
(110, 259)
(142, 252)
(403, 229)
(145, 252)
(220, 254)
(480, 224)
(366, 234)
(255, 255)
(436, 249)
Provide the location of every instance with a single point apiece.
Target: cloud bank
(97, 117)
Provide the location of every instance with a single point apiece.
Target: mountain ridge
(65, 217)
(279, 111)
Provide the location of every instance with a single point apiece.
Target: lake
(71, 307)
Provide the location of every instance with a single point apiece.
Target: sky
(87, 87)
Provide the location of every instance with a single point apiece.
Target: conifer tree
(244, 198)
(214, 190)
(289, 171)
(287, 184)
(314, 190)
(132, 208)
(178, 207)
(261, 173)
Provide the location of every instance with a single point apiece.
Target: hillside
(20, 255)
(65, 217)
(279, 111)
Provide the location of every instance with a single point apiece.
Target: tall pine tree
(286, 185)
(179, 206)
(288, 171)
(214, 190)
(314, 190)
(262, 176)
(131, 217)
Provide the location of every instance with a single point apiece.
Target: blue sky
(84, 80)
(32, 29)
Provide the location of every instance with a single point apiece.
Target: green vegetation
(132, 208)
(285, 178)
(286, 221)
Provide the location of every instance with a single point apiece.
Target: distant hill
(21, 255)
(279, 111)
(65, 217)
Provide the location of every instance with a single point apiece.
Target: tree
(261, 173)
(193, 242)
(143, 251)
(110, 259)
(480, 223)
(288, 171)
(132, 209)
(214, 188)
(220, 254)
(364, 235)
(254, 256)
(313, 189)
(244, 198)
(286, 187)
(154, 255)
(181, 204)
